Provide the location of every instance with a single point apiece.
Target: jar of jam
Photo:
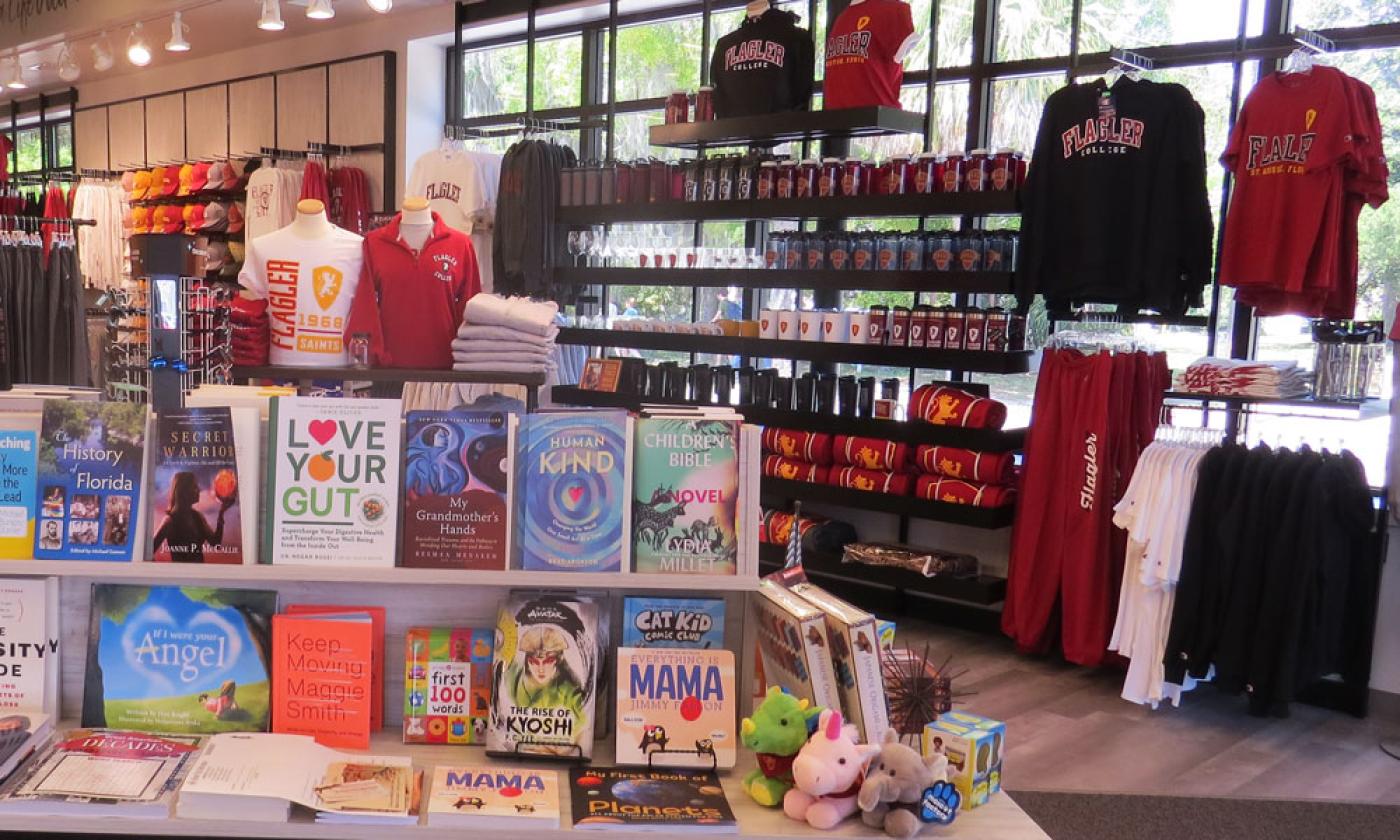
(829, 177)
(975, 171)
(786, 182)
(767, 178)
(851, 180)
(925, 173)
(1002, 170)
(677, 107)
(807, 174)
(897, 175)
(705, 104)
(659, 181)
(869, 175)
(952, 174)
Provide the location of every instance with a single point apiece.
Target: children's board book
(19, 461)
(632, 799)
(91, 471)
(197, 492)
(685, 495)
(673, 622)
(675, 708)
(494, 797)
(29, 645)
(447, 685)
(179, 659)
(793, 645)
(333, 482)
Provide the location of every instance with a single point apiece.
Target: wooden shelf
(839, 207)
(981, 590)
(816, 351)
(345, 374)
(783, 489)
(772, 129)
(971, 282)
(912, 432)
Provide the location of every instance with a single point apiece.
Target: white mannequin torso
(415, 224)
(311, 221)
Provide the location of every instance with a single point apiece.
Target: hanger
(1310, 46)
(1126, 62)
(756, 8)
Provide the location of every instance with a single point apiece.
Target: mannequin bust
(311, 221)
(415, 222)
(755, 8)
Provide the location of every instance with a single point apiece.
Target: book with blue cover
(19, 460)
(673, 622)
(572, 491)
(685, 494)
(91, 466)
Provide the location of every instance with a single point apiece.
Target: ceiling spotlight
(138, 52)
(381, 6)
(177, 42)
(320, 10)
(15, 78)
(68, 69)
(271, 20)
(102, 54)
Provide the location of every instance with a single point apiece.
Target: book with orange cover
(322, 677)
(376, 616)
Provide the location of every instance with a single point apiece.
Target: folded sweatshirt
(480, 332)
(503, 367)
(465, 348)
(520, 358)
(517, 313)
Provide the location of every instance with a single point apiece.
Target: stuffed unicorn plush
(827, 772)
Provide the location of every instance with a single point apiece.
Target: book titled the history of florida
(178, 658)
(685, 488)
(195, 515)
(456, 477)
(572, 507)
(91, 456)
(618, 799)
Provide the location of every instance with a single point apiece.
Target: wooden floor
(1068, 730)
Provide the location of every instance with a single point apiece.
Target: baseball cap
(199, 180)
(140, 184)
(235, 251)
(186, 175)
(128, 220)
(235, 217)
(128, 181)
(215, 216)
(238, 172)
(217, 255)
(140, 220)
(218, 176)
(193, 217)
(174, 221)
(158, 219)
(170, 181)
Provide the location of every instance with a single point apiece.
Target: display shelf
(955, 514)
(839, 207)
(912, 432)
(1291, 402)
(971, 282)
(815, 351)
(387, 375)
(981, 590)
(772, 129)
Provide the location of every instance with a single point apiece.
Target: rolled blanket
(870, 453)
(877, 481)
(776, 466)
(940, 489)
(504, 367)
(819, 534)
(952, 462)
(469, 348)
(812, 447)
(517, 313)
(945, 406)
(479, 332)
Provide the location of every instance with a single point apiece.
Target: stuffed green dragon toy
(777, 730)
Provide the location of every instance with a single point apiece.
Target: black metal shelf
(983, 590)
(911, 506)
(772, 129)
(840, 207)
(911, 432)
(387, 375)
(1291, 402)
(971, 282)
(814, 351)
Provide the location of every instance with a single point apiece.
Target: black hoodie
(765, 66)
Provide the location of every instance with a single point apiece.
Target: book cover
(19, 461)
(544, 677)
(179, 659)
(601, 375)
(675, 708)
(674, 800)
(686, 485)
(447, 685)
(21, 735)
(855, 660)
(673, 622)
(494, 797)
(793, 646)
(333, 482)
(571, 491)
(455, 482)
(377, 618)
(196, 517)
(103, 772)
(29, 645)
(91, 459)
(321, 677)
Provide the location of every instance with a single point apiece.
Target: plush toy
(827, 774)
(896, 786)
(775, 733)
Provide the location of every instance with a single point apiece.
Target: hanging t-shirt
(461, 187)
(272, 200)
(763, 67)
(309, 285)
(865, 53)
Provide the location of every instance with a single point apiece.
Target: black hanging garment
(526, 242)
(763, 67)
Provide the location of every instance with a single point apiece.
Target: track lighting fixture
(320, 10)
(68, 69)
(14, 79)
(271, 19)
(381, 6)
(177, 42)
(102, 54)
(138, 52)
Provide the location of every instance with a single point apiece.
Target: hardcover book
(196, 516)
(447, 685)
(29, 645)
(377, 618)
(672, 622)
(178, 658)
(493, 797)
(675, 708)
(686, 485)
(672, 800)
(456, 481)
(573, 471)
(322, 666)
(19, 460)
(793, 646)
(333, 482)
(91, 459)
(855, 660)
(544, 677)
(21, 734)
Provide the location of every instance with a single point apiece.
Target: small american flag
(794, 546)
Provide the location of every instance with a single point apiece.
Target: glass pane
(1321, 14)
(1032, 28)
(1016, 108)
(657, 58)
(1147, 23)
(493, 81)
(62, 144)
(954, 32)
(29, 150)
(559, 73)
(631, 138)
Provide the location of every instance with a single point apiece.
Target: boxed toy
(884, 629)
(855, 657)
(793, 644)
(974, 746)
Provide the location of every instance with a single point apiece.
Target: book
(196, 493)
(493, 797)
(19, 461)
(377, 619)
(855, 660)
(676, 708)
(456, 481)
(601, 375)
(29, 645)
(571, 492)
(177, 659)
(21, 734)
(102, 773)
(322, 677)
(447, 685)
(672, 800)
(91, 471)
(544, 677)
(793, 646)
(685, 495)
(332, 482)
(672, 622)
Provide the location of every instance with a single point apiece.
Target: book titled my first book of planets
(685, 493)
(455, 482)
(673, 800)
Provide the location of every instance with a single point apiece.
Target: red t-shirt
(5, 148)
(862, 67)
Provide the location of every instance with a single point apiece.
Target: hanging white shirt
(461, 187)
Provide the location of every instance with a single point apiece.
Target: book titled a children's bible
(456, 481)
(447, 685)
(197, 514)
(322, 677)
(685, 495)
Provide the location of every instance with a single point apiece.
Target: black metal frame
(48, 129)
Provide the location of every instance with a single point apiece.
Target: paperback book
(456, 484)
(179, 659)
(377, 619)
(19, 460)
(675, 708)
(447, 685)
(672, 800)
(493, 797)
(197, 517)
(21, 735)
(91, 469)
(672, 622)
(322, 677)
(686, 487)
(29, 645)
(793, 646)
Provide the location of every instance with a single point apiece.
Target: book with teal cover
(686, 485)
(91, 461)
(572, 486)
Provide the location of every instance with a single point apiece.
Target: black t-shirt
(763, 67)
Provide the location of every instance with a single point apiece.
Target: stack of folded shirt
(944, 405)
(962, 476)
(871, 464)
(796, 455)
(1237, 377)
(514, 335)
(251, 331)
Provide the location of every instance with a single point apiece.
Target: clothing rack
(1130, 60)
(284, 154)
(44, 220)
(339, 149)
(99, 173)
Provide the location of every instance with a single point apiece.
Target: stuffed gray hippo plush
(895, 783)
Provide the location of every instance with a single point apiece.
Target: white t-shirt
(461, 186)
(272, 201)
(308, 284)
